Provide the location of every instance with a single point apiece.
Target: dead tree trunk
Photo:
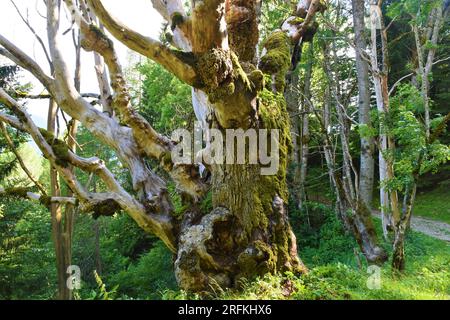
(425, 64)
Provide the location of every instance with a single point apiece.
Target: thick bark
(366, 171)
(398, 254)
(293, 106)
(248, 233)
(242, 19)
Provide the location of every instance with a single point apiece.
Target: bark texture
(366, 170)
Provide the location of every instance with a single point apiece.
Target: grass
(430, 203)
(434, 204)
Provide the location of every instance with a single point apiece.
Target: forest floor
(436, 229)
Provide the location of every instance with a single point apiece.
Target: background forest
(332, 137)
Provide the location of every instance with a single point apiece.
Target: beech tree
(214, 49)
(366, 172)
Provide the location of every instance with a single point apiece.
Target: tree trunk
(247, 233)
(298, 100)
(366, 171)
(388, 201)
(60, 239)
(425, 67)
(305, 123)
(293, 105)
(354, 212)
(398, 254)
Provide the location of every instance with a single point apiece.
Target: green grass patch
(434, 204)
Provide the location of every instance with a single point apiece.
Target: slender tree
(380, 74)
(366, 171)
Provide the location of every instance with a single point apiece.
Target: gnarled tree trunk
(248, 232)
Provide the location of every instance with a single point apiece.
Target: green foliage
(416, 9)
(166, 101)
(27, 269)
(147, 278)
(102, 293)
(366, 131)
(414, 154)
(274, 12)
(8, 82)
(321, 238)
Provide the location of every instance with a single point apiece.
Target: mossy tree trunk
(248, 233)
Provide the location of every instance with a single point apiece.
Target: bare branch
(19, 158)
(152, 143)
(161, 225)
(16, 55)
(43, 199)
(178, 63)
(399, 81)
(208, 26)
(30, 27)
(12, 121)
(23, 95)
(180, 24)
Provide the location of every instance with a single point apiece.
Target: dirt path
(432, 228)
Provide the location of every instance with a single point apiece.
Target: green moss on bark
(17, 192)
(107, 208)
(239, 73)
(176, 20)
(296, 21)
(59, 147)
(277, 59)
(45, 201)
(256, 77)
(221, 73)
(274, 115)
